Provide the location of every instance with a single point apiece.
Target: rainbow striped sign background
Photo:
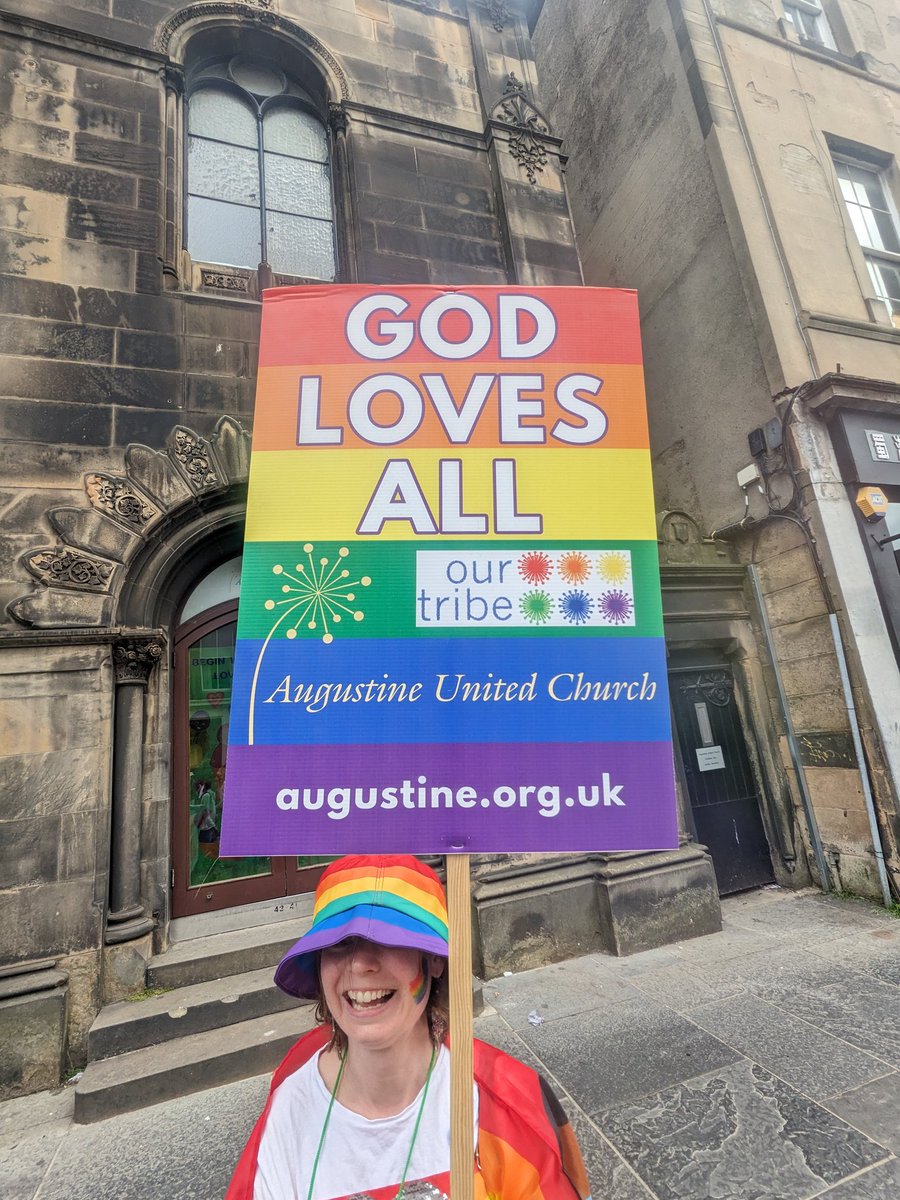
(450, 631)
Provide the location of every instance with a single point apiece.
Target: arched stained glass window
(258, 175)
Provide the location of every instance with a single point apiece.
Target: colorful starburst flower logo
(536, 607)
(613, 566)
(535, 566)
(616, 606)
(576, 607)
(320, 594)
(574, 567)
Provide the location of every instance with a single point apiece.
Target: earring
(332, 1041)
(438, 1028)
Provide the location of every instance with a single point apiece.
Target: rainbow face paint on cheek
(419, 985)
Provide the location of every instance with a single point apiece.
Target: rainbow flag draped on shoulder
(526, 1146)
(450, 615)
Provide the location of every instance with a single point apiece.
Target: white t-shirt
(358, 1154)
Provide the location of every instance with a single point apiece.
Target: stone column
(171, 249)
(133, 660)
(342, 178)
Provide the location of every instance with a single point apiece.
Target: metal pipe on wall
(860, 759)
(812, 824)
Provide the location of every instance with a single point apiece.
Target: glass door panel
(202, 880)
(210, 672)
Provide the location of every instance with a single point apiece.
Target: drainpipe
(812, 823)
(863, 773)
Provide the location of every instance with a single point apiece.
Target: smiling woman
(361, 1106)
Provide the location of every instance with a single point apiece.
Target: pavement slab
(881, 1183)
(814, 918)
(875, 952)
(624, 1051)
(560, 990)
(608, 1172)
(864, 1014)
(875, 1109)
(185, 1149)
(736, 1133)
(684, 986)
(801, 1054)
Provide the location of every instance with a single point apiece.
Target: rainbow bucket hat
(391, 899)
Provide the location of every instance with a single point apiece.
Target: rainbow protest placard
(450, 631)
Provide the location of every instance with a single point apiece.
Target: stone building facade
(161, 163)
(737, 163)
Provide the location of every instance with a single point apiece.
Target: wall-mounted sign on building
(450, 629)
(868, 446)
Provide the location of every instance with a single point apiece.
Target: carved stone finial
(527, 126)
(135, 658)
(499, 14)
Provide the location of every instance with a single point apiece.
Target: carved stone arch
(165, 504)
(173, 35)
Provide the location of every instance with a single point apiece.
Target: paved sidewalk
(761, 1063)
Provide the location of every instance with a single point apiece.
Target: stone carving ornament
(193, 453)
(80, 582)
(338, 120)
(499, 14)
(120, 499)
(225, 281)
(135, 658)
(69, 568)
(527, 127)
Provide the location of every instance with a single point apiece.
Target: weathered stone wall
(647, 216)
(796, 107)
(702, 176)
(55, 761)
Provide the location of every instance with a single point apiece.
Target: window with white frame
(810, 22)
(873, 216)
(258, 176)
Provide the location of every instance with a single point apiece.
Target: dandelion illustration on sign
(322, 592)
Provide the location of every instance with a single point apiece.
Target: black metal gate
(722, 790)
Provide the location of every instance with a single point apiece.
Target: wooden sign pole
(459, 902)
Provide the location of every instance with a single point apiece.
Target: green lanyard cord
(412, 1144)
(312, 1178)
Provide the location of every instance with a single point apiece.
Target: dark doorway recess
(721, 787)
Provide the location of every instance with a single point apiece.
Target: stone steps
(207, 958)
(188, 1064)
(219, 1019)
(181, 1012)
